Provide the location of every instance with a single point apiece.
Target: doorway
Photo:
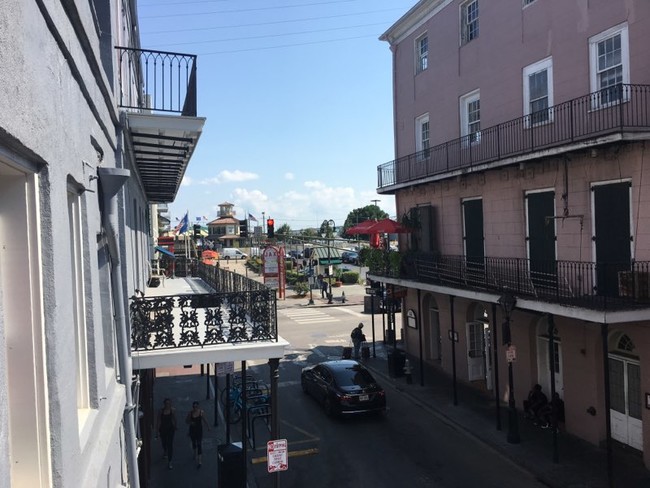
(625, 392)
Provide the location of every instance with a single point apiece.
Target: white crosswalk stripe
(311, 316)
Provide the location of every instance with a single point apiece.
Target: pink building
(521, 129)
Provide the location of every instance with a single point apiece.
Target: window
(78, 298)
(528, 2)
(469, 21)
(421, 53)
(470, 117)
(609, 60)
(538, 92)
(422, 135)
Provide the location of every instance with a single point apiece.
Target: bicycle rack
(255, 412)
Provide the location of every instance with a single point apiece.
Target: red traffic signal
(270, 228)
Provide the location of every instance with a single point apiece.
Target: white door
(543, 371)
(475, 351)
(488, 356)
(434, 335)
(625, 401)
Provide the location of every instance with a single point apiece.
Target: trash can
(365, 351)
(396, 361)
(390, 337)
(230, 466)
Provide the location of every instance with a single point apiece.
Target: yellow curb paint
(303, 452)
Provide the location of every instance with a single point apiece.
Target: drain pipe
(111, 181)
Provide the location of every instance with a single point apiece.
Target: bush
(301, 288)
(350, 277)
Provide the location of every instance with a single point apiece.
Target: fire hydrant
(408, 372)
(342, 297)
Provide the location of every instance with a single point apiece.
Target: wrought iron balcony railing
(589, 285)
(614, 110)
(241, 310)
(158, 81)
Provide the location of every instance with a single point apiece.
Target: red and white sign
(277, 455)
(270, 259)
(511, 354)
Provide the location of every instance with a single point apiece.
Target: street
(408, 446)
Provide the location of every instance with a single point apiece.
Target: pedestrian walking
(323, 290)
(166, 428)
(358, 337)
(196, 420)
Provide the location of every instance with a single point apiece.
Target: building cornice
(413, 20)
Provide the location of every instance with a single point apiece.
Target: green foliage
(283, 231)
(301, 288)
(328, 229)
(350, 277)
(358, 215)
(310, 232)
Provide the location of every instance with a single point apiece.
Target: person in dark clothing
(357, 338)
(166, 428)
(323, 291)
(196, 419)
(552, 413)
(536, 400)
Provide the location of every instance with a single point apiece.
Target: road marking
(302, 452)
(308, 316)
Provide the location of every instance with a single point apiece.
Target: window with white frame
(469, 21)
(421, 53)
(422, 135)
(470, 117)
(538, 92)
(78, 297)
(528, 2)
(609, 65)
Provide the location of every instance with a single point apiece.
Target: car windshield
(353, 376)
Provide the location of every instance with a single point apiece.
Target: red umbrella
(386, 226)
(361, 228)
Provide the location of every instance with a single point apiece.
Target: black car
(343, 387)
(350, 257)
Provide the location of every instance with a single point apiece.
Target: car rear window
(353, 376)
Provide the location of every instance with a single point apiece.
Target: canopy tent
(361, 227)
(383, 226)
(165, 252)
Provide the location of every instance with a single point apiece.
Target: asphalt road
(406, 447)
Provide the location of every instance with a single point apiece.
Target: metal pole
(216, 396)
(244, 419)
(207, 381)
(608, 420)
(329, 271)
(310, 279)
(227, 408)
(419, 324)
(372, 311)
(275, 409)
(453, 347)
(496, 366)
(551, 365)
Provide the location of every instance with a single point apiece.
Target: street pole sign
(224, 369)
(277, 455)
(511, 353)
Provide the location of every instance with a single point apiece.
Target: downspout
(111, 181)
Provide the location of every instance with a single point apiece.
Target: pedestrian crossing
(308, 316)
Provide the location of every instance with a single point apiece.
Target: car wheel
(329, 408)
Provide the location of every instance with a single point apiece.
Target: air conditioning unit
(634, 284)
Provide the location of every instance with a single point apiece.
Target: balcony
(158, 92)
(621, 112)
(586, 285)
(237, 321)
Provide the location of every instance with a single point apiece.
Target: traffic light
(270, 228)
(197, 230)
(243, 229)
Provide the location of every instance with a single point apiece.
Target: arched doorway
(433, 344)
(479, 357)
(625, 391)
(543, 366)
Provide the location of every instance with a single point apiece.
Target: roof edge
(414, 18)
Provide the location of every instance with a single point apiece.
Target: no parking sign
(277, 455)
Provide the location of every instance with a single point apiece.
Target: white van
(232, 252)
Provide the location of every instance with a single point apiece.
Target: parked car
(343, 387)
(232, 252)
(350, 257)
(295, 254)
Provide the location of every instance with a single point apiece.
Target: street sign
(511, 353)
(224, 369)
(277, 455)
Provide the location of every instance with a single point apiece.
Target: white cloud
(227, 176)
(186, 181)
(289, 176)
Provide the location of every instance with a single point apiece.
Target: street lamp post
(508, 302)
(310, 279)
(327, 224)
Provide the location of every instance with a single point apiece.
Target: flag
(182, 225)
(198, 219)
(250, 217)
(205, 218)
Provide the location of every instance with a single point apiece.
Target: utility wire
(277, 7)
(196, 29)
(268, 36)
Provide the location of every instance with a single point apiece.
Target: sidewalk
(580, 464)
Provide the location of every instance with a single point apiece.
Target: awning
(165, 251)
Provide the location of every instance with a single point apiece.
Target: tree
(284, 231)
(327, 230)
(358, 215)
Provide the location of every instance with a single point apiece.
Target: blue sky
(297, 96)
